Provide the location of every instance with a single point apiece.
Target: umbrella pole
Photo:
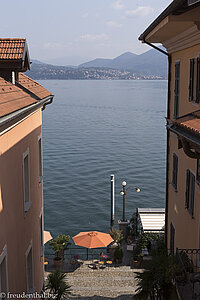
(92, 255)
(87, 253)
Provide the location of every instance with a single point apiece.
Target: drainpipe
(47, 103)
(168, 117)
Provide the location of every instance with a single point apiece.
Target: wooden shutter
(175, 170)
(198, 171)
(172, 238)
(187, 189)
(198, 81)
(192, 194)
(191, 85)
(176, 89)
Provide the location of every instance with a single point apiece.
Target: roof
(190, 122)
(176, 7)
(32, 86)
(12, 98)
(152, 219)
(15, 97)
(12, 49)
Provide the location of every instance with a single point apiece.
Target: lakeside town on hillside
(154, 255)
(39, 72)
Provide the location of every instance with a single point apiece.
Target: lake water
(94, 129)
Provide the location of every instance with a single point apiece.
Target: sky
(74, 31)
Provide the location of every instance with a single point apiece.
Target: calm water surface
(94, 129)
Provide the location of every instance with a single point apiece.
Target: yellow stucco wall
(19, 229)
(184, 57)
(186, 228)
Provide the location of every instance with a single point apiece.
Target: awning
(152, 219)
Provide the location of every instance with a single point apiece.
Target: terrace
(116, 282)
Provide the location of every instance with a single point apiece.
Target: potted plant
(59, 245)
(117, 235)
(57, 285)
(118, 255)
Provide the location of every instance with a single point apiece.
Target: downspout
(168, 117)
(47, 103)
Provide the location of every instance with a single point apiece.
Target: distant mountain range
(126, 66)
(151, 62)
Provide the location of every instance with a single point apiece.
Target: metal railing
(79, 253)
(189, 260)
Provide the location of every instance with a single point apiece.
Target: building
(177, 28)
(21, 199)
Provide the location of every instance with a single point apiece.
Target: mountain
(149, 65)
(120, 62)
(67, 61)
(151, 62)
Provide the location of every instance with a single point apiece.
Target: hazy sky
(79, 29)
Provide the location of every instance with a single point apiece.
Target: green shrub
(57, 285)
(60, 243)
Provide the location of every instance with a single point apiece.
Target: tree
(57, 285)
(156, 280)
(117, 235)
(59, 244)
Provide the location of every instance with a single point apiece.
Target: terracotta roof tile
(12, 98)
(33, 86)
(12, 48)
(190, 122)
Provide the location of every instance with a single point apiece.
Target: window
(29, 269)
(176, 89)
(175, 171)
(172, 238)
(198, 81)
(40, 158)
(194, 86)
(198, 171)
(190, 188)
(26, 181)
(191, 85)
(3, 272)
(41, 234)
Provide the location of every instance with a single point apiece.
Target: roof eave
(28, 109)
(169, 10)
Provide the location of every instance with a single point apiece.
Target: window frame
(176, 88)
(41, 220)
(190, 192)
(40, 159)
(194, 80)
(198, 171)
(3, 256)
(175, 171)
(172, 238)
(29, 289)
(27, 204)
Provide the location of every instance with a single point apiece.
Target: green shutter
(198, 81)
(175, 170)
(192, 194)
(187, 189)
(176, 89)
(191, 85)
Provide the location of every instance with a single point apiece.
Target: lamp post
(124, 193)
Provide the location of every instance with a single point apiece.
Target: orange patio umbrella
(92, 239)
(47, 236)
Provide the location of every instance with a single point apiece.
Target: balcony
(188, 281)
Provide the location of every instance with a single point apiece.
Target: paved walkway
(111, 282)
